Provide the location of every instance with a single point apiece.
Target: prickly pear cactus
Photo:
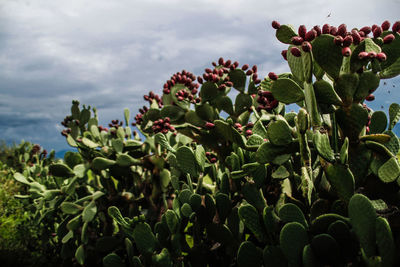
(198, 178)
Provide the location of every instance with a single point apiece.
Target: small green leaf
(70, 208)
(285, 34)
(389, 171)
(80, 255)
(89, 212)
(238, 78)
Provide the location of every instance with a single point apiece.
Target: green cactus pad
(259, 129)
(175, 113)
(389, 171)
(342, 180)
(224, 206)
(249, 255)
(195, 201)
(80, 255)
(326, 249)
(368, 82)
(144, 238)
(163, 259)
(184, 196)
(208, 91)
(172, 220)
(279, 133)
(242, 103)
(280, 173)
(74, 223)
(254, 196)
(321, 142)
(287, 91)
(113, 260)
(271, 220)
(254, 140)
(285, 34)
(291, 213)
(345, 86)
(309, 259)
(394, 115)
(160, 138)
(61, 170)
(352, 121)
(117, 216)
(293, 238)
(392, 52)
(224, 103)
(211, 209)
(100, 163)
(229, 133)
(70, 208)
(124, 160)
(301, 67)
(363, 217)
(391, 71)
(186, 210)
(187, 161)
(384, 239)
(249, 215)
(238, 78)
(321, 223)
(273, 256)
(267, 152)
(327, 54)
(205, 112)
(378, 122)
(325, 93)
(393, 145)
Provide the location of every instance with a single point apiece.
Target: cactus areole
(257, 186)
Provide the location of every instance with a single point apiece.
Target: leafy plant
(258, 187)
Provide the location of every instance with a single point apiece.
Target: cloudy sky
(109, 53)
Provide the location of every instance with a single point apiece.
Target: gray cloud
(109, 53)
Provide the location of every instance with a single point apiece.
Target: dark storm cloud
(109, 53)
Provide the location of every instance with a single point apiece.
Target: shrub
(259, 186)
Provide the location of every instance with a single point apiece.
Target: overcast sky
(109, 53)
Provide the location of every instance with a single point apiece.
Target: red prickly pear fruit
(276, 25)
(245, 66)
(362, 55)
(362, 34)
(347, 41)
(209, 125)
(257, 81)
(342, 30)
(227, 63)
(255, 76)
(356, 37)
(237, 125)
(273, 76)
(317, 30)
(385, 25)
(235, 64)
(372, 54)
(326, 29)
(338, 40)
(167, 119)
(194, 91)
(381, 56)
(346, 51)
(213, 160)
(302, 31)
(366, 30)
(388, 39)
(254, 68)
(295, 52)
(221, 61)
(249, 72)
(229, 84)
(333, 31)
(396, 26)
(208, 70)
(377, 32)
(214, 64)
(180, 98)
(370, 97)
(306, 46)
(297, 40)
(249, 132)
(373, 27)
(208, 154)
(310, 35)
(222, 87)
(200, 80)
(284, 54)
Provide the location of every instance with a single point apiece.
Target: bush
(259, 186)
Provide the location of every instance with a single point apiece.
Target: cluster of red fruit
(247, 127)
(183, 94)
(343, 38)
(152, 96)
(184, 77)
(220, 73)
(211, 157)
(115, 123)
(163, 126)
(266, 101)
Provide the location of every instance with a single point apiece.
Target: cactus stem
(189, 180)
(311, 105)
